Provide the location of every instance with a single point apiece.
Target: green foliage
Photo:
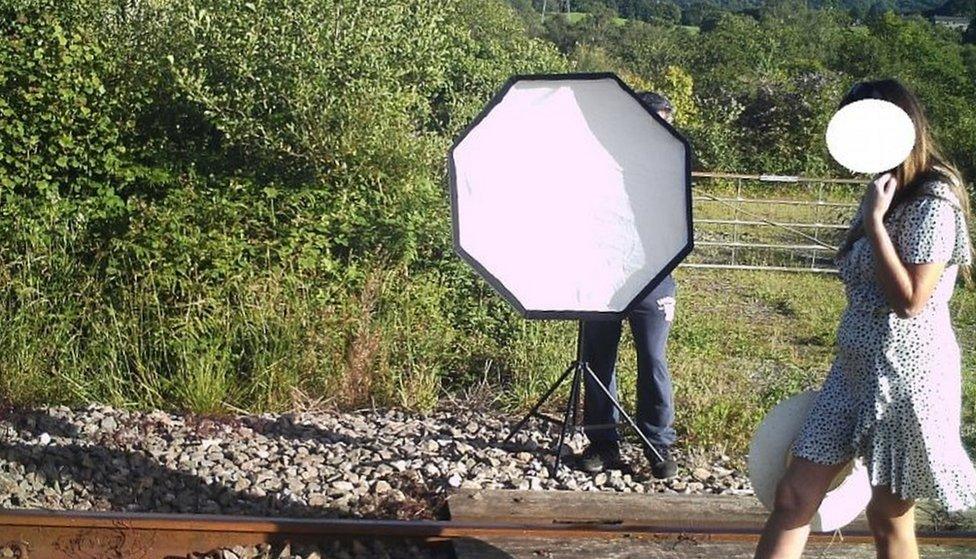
(857, 7)
(678, 86)
(778, 120)
(878, 9)
(959, 8)
(698, 11)
(650, 10)
(649, 50)
(167, 164)
(288, 91)
(764, 84)
(217, 205)
(600, 25)
(59, 139)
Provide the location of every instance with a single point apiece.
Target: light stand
(577, 369)
(608, 158)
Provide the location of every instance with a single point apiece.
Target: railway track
(62, 535)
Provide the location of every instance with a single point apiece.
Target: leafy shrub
(185, 158)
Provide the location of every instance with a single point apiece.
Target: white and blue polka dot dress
(893, 395)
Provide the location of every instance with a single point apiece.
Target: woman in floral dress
(893, 394)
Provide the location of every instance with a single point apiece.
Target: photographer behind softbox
(573, 200)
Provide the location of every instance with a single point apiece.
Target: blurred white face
(870, 136)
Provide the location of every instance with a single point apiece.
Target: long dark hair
(924, 163)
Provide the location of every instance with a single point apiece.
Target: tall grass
(252, 345)
(741, 342)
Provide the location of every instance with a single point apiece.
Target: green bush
(210, 190)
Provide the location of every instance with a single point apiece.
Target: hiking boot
(662, 469)
(599, 456)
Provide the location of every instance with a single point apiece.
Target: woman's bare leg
(798, 496)
(892, 522)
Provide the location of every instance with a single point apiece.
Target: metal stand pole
(534, 412)
(647, 444)
(578, 368)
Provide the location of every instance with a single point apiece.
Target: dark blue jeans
(650, 322)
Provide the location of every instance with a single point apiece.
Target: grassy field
(576, 17)
(741, 342)
(800, 207)
(744, 340)
(761, 337)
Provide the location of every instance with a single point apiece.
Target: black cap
(655, 101)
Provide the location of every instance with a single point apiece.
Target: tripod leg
(552, 389)
(575, 401)
(616, 404)
(573, 394)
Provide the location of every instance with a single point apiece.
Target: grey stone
(701, 474)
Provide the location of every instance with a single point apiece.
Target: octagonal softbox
(570, 197)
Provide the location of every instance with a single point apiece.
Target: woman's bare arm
(906, 286)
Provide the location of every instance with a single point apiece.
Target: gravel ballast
(366, 464)
(335, 549)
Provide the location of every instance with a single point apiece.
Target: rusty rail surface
(104, 535)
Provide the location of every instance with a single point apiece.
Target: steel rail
(784, 225)
(706, 265)
(43, 529)
(781, 202)
(738, 205)
(791, 227)
(760, 245)
(774, 178)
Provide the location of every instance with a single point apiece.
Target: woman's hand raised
(878, 198)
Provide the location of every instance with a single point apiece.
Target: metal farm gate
(770, 222)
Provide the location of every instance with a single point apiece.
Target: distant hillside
(575, 17)
(692, 13)
(964, 8)
(926, 7)
(902, 6)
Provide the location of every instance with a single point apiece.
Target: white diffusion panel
(571, 195)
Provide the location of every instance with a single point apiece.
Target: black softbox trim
(495, 282)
